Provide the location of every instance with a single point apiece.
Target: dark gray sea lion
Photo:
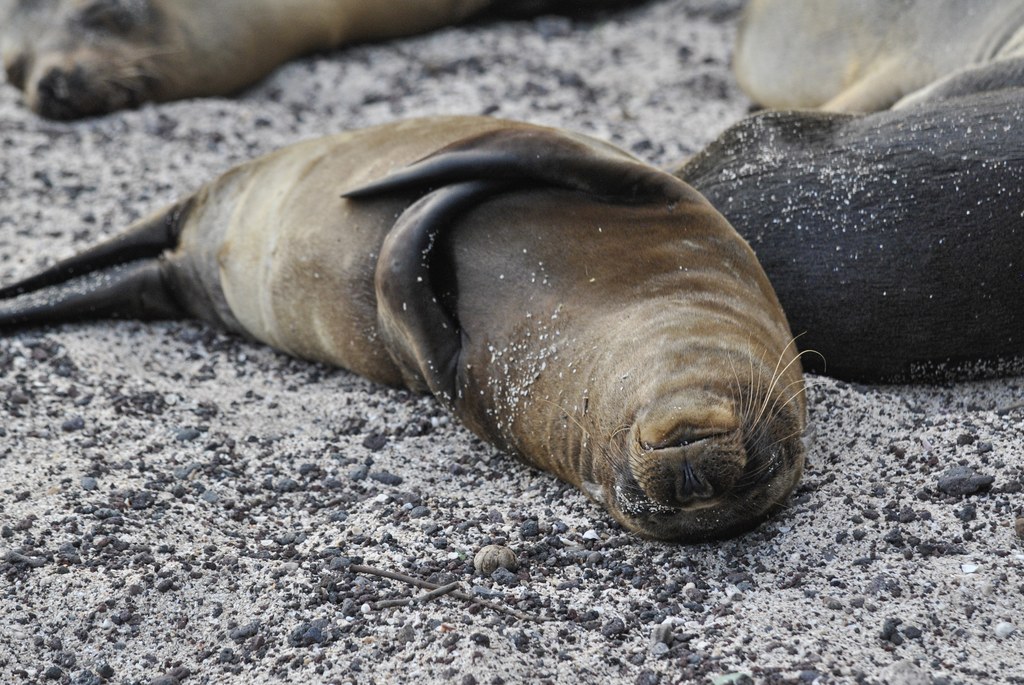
(591, 314)
(76, 58)
(867, 55)
(895, 240)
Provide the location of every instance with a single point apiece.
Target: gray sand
(178, 505)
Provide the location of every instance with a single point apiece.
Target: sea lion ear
(537, 157)
(421, 335)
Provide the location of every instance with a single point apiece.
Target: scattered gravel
(182, 506)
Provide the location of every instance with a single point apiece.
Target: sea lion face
(76, 58)
(712, 451)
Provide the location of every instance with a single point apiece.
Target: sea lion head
(715, 445)
(75, 58)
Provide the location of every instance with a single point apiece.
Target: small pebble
(613, 628)
(662, 634)
(75, 423)
(529, 529)
(1005, 629)
(493, 557)
(969, 568)
(88, 483)
(187, 434)
(963, 480)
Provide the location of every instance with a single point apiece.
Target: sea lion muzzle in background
(591, 314)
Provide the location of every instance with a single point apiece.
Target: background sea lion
(867, 55)
(894, 240)
(650, 365)
(76, 58)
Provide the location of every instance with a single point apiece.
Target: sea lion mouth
(692, 484)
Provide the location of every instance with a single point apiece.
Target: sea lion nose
(60, 93)
(689, 484)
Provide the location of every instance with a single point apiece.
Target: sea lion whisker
(777, 374)
(621, 429)
(744, 398)
(776, 408)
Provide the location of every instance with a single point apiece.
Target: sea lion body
(75, 58)
(569, 304)
(866, 55)
(895, 240)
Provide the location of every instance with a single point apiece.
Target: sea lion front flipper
(423, 337)
(537, 157)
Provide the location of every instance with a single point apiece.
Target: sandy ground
(178, 505)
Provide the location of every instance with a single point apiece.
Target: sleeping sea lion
(75, 58)
(569, 304)
(895, 240)
(866, 55)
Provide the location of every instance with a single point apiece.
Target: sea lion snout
(689, 476)
(687, 452)
(706, 460)
(83, 59)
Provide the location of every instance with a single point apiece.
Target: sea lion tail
(119, 278)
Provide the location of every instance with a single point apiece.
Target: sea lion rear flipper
(134, 291)
(147, 238)
(121, 277)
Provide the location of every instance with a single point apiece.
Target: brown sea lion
(867, 55)
(75, 58)
(895, 240)
(569, 304)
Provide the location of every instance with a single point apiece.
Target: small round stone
(1005, 629)
(493, 557)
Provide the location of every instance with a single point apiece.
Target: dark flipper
(148, 238)
(539, 157)
(410, 308)
(133, 291)
(425, 337)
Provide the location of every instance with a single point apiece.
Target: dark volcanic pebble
(375, 442)
(311, 633)
(386, 478)
(187, 434)
(75, 423)
(613, 628)
(963, 480)
(244, 632)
